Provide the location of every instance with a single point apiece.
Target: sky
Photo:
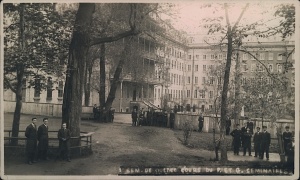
(190, 14)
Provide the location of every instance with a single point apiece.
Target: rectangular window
(188, 93)
(219, 80)
(203, 80)
(204, 57)
(251, 57)
(210, 107)
(189, 80)
(202, 94)
(212, 56)
(49, 88)
(253, 67)
(211, 80)
(245, 56)
(37, 88)
(260, 68)
(190, 56)
(270, 56)
(60, 89)
(155, 93)
(262, 56)
(244, 68)
(179, 79)
(196, 67)
(195, 94)
(158, 93)
(220, 56)
(211, 94)
(279, 68)
(196, 80)
(189, 68)
(204, 67)
(243, 81)
(270, 67)
(279, 56)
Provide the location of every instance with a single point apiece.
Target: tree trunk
(73, 90)
(223, 145)
(86, 81)
(102, 77)
(20, 76)
(17, 113)
(115, 81)
(237, 101)
(88, 84)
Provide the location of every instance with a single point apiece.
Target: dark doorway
(134, 95)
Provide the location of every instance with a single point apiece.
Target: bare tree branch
(240, 17)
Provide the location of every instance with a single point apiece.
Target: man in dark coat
(31, 142)
(247, 142)
(141, 117)
(111, 115)
(201, 120)
(95, 111)
(236, 134)
(287, 138)
(257, 141)
(149, 117)
(64, 144)
(265, 143)
(172, 119)
(134, 117)
(42, 136)
(228, 125)
(244, 130)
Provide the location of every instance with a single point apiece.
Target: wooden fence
(85, 139)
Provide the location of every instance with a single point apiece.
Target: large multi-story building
(175, 71)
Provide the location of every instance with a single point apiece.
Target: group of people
(262, 140)
(104, 115)
(152, 118)
(37, 141)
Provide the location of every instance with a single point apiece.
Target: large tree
(35, 44)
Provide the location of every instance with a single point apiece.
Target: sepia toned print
(149, 89)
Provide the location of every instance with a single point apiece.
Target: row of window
(260, 56)
(260, 68)
(206, 80)
(49, 88)
(177, 94)
(208, 56)
(265, 56)
(204, 67)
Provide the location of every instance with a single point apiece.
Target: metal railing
(85, 139)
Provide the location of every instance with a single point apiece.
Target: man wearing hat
(287, 138)
(247, 142)
(265, 143)
(257, 141)
(236, 134)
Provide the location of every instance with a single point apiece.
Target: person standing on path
(244, 130)
(201, 120)
(31, 141)
(265, 143)
(247, 142)
(42, 136)
(228, 125)
(172, 119)
(134, 117)
(287, 138)
(236, 134)
(257, 142)
(64, 144)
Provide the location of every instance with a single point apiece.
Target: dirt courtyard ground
(119, 144)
